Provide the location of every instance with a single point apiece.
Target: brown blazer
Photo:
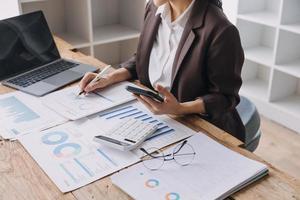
(207, 64)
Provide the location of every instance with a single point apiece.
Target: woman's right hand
(87, 87)
(116, 76)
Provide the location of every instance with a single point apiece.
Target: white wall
(9, 8)
(230, 8)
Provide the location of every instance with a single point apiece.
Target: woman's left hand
(169, 106)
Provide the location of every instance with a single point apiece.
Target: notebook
(215, 173)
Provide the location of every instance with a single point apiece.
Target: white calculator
(127, 135)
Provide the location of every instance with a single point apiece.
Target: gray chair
(251, 120)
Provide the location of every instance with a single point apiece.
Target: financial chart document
(21, 113)
(169, 131)
(70, 157)
(215, 173)
(67, 103)
(77, 160)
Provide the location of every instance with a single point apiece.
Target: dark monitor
(25, 43)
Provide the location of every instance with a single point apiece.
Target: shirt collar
(165, 13)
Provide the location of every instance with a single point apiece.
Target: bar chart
(21, 113)
(16, 111)
(130, 111)
(69, 156)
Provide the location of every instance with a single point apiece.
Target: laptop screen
(25, 43)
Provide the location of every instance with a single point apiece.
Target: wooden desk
(22, 178)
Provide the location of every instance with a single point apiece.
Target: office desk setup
(22, 178)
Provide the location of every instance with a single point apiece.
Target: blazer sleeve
(224, 65)
(130, 64)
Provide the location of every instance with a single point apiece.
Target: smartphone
(145, 92)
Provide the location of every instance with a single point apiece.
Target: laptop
(29, 59)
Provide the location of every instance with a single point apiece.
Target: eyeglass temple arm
(148, 154)
(182, 145)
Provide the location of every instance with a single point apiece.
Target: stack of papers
(77, 160)
(65, 149)
(216, 173)
(66, 152)
(169, 131)
(71, 159)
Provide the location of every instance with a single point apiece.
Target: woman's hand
(87, 87)
(169, 106)
(116, 76)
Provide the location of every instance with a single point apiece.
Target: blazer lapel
(148, 38)
(196, 20)
(182, 51)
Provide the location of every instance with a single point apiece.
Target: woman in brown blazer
(190, 53)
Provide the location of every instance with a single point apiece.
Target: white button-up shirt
(165, 46)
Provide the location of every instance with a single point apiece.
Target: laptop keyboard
(42, 73)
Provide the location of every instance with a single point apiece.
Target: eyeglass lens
(183, 154)
(154, 160)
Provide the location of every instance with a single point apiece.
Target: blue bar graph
(17, 110)
(83, 167)
(140, 116)
(130, 111)
(68, 172)
(107, 157)
(159, 133)
(147, 118)
(114, 111)
(131, 115)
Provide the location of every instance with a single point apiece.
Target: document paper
(169, 131)
(67, 103)
(215, 173)
(71, 158)
(21, 113)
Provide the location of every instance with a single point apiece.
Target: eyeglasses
(183, 154)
